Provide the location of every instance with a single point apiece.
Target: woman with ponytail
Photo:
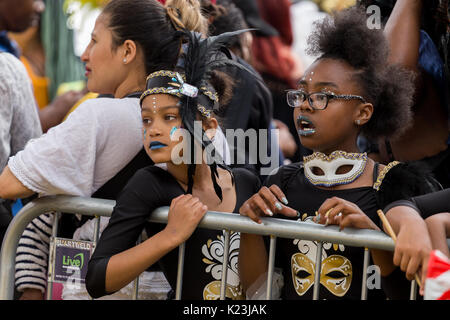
(99, 147)
(181, 110)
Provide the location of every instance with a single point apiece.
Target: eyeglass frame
(329, 96)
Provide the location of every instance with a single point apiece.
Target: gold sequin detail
(335, 155)
(383, 172)
(165, 73)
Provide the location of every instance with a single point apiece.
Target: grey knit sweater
(19, 119)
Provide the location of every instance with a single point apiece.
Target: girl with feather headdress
(171, 104)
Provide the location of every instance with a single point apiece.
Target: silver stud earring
(358, 122)
(124, 60)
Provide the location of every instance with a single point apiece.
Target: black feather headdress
(196, 94)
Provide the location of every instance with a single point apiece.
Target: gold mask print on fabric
(336, 270)
(302, 273)
(213, 252)
(335, 275)
(212, 291)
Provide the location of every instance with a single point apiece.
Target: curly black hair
(390, 88)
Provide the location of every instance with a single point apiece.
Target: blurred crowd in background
(51, 49)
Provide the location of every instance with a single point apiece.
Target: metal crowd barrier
(212, 220)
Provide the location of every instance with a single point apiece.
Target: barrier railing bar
(282, 228)
(364, 275)
(270, 267)
(212, 220)
(30, 211)
(317, 271)
(226, 253)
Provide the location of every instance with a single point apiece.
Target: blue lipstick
(305, 126)
(157, 145)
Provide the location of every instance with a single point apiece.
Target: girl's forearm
(124, 267)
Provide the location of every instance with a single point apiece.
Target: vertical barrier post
(181, 251)
(270, 267)
(135, 294)
(226, 253)
(364, 275)
(413, 292)
(318, 269)
(96, 235)
(96, 229)
(135, 289)
(51, 256)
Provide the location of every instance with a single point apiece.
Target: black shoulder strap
(375, 171)
(134, 95)
(110, 190)
(389, 151)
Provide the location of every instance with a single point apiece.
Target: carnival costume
(342, 266)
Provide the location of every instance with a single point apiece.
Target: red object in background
(273, 55)
(277, 13)
(437, 285)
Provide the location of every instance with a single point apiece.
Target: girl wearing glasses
(349, 90)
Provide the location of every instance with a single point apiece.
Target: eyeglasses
(316, 100)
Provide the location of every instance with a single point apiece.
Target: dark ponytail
(147, 24)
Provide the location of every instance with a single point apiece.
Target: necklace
(330, 165)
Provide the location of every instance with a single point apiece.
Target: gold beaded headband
(174, 83)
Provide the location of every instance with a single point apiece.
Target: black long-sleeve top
(427, 204)
(151, 188)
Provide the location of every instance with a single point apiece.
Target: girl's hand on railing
(412, 249)
(343, 213)
(267, 202)
(185, 213)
